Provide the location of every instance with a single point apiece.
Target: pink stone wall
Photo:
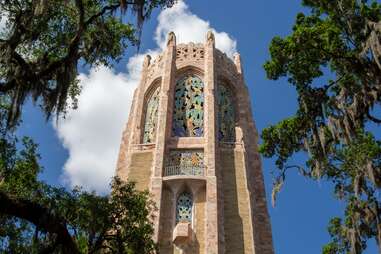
(230, 212)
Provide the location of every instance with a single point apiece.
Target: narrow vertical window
(150, 121)
(184, 208)
(226, 114)
(188, 113)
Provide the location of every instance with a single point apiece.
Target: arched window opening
(188, 113)
(150, 121)
(184, 208)
(226, 114)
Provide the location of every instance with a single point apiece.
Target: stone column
(162, 126)
(211, 213)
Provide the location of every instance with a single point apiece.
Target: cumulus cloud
(92, 133)
(188, 27)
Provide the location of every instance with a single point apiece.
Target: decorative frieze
(184, 162)
(190, 52)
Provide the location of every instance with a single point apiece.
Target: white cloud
(190, 28)
(92, 133)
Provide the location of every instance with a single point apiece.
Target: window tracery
(188, 113)
(226, 114)
(150, 122)
(184, 207)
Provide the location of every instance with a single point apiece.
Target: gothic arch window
(226, 114)
(184, 207)
(188, 113)
(150, 121)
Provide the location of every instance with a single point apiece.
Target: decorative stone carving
(190, 52)
(210, 38)
(155, 67)
(171, 39)
(147, 61)
(237, 62)
(184, 162)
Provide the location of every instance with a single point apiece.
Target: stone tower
(191, 141)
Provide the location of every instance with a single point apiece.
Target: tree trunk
(41, 217)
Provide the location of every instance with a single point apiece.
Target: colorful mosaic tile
(184, 208)
(184, 162)
(188, 114)
(152, 108)
(226, 115)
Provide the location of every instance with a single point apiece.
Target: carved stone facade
(191, 141)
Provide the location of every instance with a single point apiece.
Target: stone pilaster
(212, 229)
(162, 126)
(261, 227)
(139, 108)
(132, 132)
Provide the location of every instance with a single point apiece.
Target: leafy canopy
(332, 58)
(38, 218)
(44, 41)
(40, 49)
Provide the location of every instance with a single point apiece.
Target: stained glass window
(184, 208)
(226, 115)
(184, 162)
(150, 122)
(188, 114)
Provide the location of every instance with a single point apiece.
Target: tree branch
(41, 217)
(103, 11)
(372, 118)
(74, 44)
(6, 86)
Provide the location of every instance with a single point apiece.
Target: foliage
(118, 223)
(40, 49)
(338, 40)
(45, 40)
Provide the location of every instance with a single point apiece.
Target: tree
(38, 218)
(332, 58)
(40, 49)
(45, 40)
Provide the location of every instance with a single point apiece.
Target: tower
(191, 141)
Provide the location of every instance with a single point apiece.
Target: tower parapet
(191, 141)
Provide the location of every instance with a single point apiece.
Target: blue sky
(303, 208)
